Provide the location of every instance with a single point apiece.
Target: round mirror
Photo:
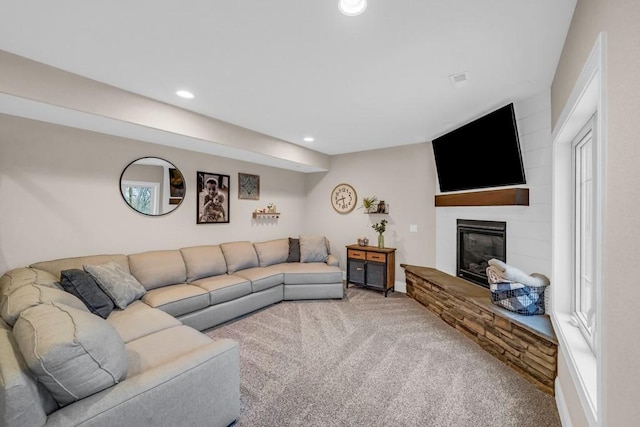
(152, 186)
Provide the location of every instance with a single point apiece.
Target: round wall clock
(343, 198)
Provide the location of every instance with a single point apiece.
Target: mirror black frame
(173, 182)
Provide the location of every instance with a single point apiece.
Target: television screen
(480, 154)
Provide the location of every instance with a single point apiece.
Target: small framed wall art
(213, 198)
(248, 186)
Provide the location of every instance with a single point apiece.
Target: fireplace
(478, 242)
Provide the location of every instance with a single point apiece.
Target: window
(584, 282)
(142, 196)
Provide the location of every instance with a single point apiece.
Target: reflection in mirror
(152, 186)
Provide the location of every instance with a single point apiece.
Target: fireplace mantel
(502, 197)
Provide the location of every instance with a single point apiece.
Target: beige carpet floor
(373, 361)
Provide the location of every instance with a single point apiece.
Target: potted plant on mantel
(380, 227)
(368, 203)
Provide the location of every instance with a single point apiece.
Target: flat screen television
(483, 153)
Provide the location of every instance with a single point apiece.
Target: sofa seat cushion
(28, 296)
(161, 347)
(263, 277)
(139, 320)
(310, 273)
(203, 261)
(156, 269)
(57, 266)
(73, 353)
(224, 288)
(177, 299)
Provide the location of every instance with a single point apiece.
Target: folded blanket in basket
(514, 274)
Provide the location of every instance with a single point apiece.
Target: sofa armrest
(202, 387)
(333, 260)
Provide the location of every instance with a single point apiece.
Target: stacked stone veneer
(467, 308)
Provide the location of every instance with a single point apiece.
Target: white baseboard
(399, 286)
(563, 411)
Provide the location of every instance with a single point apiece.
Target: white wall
(60, 197)
(528, 227)
(620, 383)
(404, 177)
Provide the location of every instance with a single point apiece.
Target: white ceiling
(296, 68)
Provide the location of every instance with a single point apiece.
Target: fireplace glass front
(478, 242)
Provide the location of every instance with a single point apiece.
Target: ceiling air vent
(459, 80)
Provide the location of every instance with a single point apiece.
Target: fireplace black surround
(477, 243)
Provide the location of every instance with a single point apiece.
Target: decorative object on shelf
(271, 208)
(363, 241)
(380, 228)
(343, 198)
(382, 207)
(248, 186)
(368, 203)
(212, 198)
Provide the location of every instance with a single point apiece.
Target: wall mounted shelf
(504, 197)
(264, 215)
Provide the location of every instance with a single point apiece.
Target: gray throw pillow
(313, 249)
(81, 284)
(294, 250)
(116, 282)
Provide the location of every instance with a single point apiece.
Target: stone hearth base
(525, 343)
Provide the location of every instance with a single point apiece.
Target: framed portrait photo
(248, 186)
(212, 198)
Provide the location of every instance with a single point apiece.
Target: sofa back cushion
(272, 252)
(156, 269)
(12, 280)
(23, 401)
(239, 255)
(73, 353)
(56, 267)
(31, 295)
(203, 261)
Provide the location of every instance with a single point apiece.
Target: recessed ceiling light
(308, 139)
(184, 94)
(352, 7)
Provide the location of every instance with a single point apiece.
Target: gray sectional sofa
(146, 364)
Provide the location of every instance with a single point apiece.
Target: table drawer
(374, 256)
(356, 254)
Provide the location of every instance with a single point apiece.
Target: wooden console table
(371, 267)
(525, 343)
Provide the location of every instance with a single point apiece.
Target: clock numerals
(343, 198)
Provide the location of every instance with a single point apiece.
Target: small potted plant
(368, 203)
(380, 228)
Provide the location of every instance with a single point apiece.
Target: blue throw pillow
(82, 285)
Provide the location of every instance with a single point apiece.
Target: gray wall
(619, 19)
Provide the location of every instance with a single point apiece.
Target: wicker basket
(518, 298)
